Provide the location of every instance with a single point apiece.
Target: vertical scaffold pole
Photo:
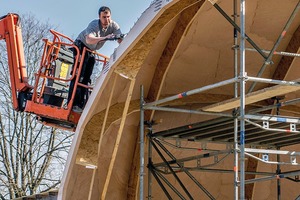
(278, 170)
(242, 100)
(149, 163)
(141, 143)
(236, 155)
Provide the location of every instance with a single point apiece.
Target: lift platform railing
(50, 93)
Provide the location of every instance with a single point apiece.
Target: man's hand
(110, 37)
(118, 37)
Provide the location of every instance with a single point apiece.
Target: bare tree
(32, 155)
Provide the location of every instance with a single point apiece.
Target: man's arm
(92, 39)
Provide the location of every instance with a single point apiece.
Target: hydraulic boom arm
(10, 31)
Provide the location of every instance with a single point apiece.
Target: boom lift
(47, 98)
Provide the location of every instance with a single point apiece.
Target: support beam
(118, 139)
(102, 133)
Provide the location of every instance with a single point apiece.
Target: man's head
(104, 16)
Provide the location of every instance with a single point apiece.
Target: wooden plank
(102, 133)
(253, 97)
(118, 139)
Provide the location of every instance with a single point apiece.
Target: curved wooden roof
(175, 46)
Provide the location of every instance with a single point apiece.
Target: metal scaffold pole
(236, 155)
(242, 100)
(149, 164)
(141, 143)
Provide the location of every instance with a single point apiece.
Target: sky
(72, 16)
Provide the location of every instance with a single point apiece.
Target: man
(93, 38)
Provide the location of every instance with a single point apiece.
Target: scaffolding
(263, 131)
